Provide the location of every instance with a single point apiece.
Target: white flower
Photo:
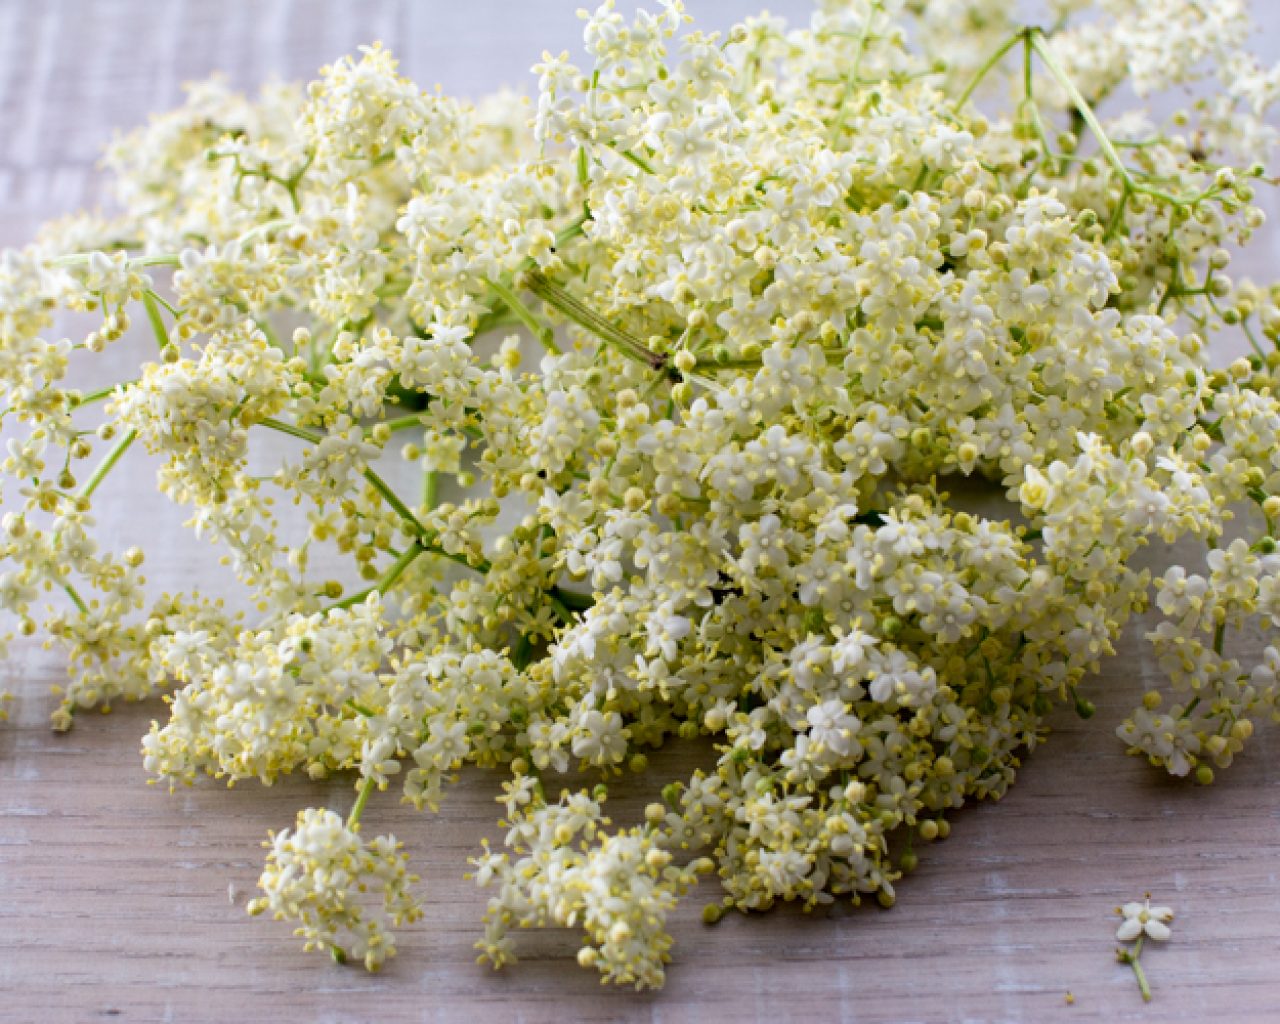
(832, 727)
(600, 737)
(1144, 919)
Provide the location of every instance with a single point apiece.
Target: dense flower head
(788, 386)
(317, 873)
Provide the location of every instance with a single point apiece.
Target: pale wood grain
(114, 895)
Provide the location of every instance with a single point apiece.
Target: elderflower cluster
(316, 873)
(786, 387)
(619, 887)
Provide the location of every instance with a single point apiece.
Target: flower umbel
(322, 874)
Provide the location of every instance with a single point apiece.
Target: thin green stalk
(851, 79)
(632, 158)
(730, 364)
(292, 431)
(76, 599)
(261, 229)
(425, 537)
(1030, 100)
(86, 491)
(83, 494)
(104, 467)
(522, 653)
(1249, 336)
(544, 334)
(559, 299)
(1132, 958)
(399, 423)
(492, 321)
(386, 581)
(395, 501)
(75, 259)
(755, 362)
(986, 68)
(362, 798)
(264, 325)
(1037, 40)
(572, 599)
(1253, 342)
(574, 229)
(101, 393)
(564, 614)
(173, 312)
(157, 321)
(568, 233)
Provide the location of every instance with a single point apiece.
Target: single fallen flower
(1141, 921)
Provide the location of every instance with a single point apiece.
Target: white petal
(1158, 930)
(1133, 909)
(1131, 929)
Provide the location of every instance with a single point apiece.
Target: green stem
(1249, 335)
(566, 234)
(564, 614)
(1030, 101)
(574, 229)
(730, 364)
(84, 493)
(273, 339)
(1117, 216)
(292, 431)
(386, 581)
(101, 393)
(362, 798)
(400, 423)
(559, 299)
(157, 321)
(430, 489)
(572, 599)
(632, 158)
(76, 599)
(522, 653)
(544, 334)
(851, 79)
(986, 68)
(833, 355)
(1138, 972)
(1253, 342)
(1037, 40)
(395, 501)
(105, 466)
(424, 536)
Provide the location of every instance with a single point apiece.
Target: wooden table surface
(120, 901)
